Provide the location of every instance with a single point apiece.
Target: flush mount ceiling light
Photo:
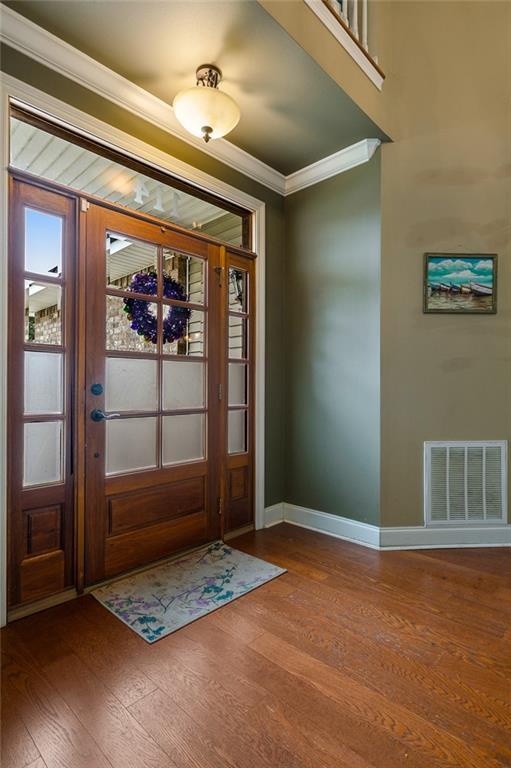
(204, 110)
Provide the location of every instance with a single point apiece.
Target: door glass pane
(43, 316)
(183, 331)
(131, 384)
(130, 445)
(237, 384)
(183, 384)
(131, 264)
(237, 337)
(43, 382)
(183, 438)
(42, 455)
(131, 325)
(188, 273)
(43, 243)
(237, 431)
(237, 290)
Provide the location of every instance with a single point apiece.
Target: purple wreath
(142, 319)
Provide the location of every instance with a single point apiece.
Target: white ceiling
(293, 114)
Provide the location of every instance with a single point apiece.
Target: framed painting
(459, 283)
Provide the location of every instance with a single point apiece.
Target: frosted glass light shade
(201, 106)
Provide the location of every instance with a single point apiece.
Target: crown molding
(334, 26)
(340, 161)
(32, 40)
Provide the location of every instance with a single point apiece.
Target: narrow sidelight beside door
(40, 395)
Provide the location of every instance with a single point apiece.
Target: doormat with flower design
(158, 601)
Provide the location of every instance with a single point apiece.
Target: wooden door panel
(42, 576)
(148, 507)
(133, 549)
(44, 529)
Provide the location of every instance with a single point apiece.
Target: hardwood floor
(353, 659)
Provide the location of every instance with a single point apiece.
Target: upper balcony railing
(348, 21)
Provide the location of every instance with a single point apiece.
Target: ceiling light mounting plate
(208, 75)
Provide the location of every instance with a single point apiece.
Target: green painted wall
(332, 329)
(28, 70)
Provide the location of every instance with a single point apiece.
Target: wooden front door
(154, 426)
(130, 391)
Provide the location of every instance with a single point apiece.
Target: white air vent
(465, 482)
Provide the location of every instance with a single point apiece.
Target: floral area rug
(158, 601)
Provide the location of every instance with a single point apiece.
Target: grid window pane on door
(238, 370)
(127, 259)
(43, 453)
(43, 382)
(43, 312)
(131, 445)
(131, 384)
(144, 393)
(43, 242)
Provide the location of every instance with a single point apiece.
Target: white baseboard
(273, 515)
(420, 537)
(412, 537)
(333, 525)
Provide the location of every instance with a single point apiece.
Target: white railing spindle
(364, 25)
(354, 25)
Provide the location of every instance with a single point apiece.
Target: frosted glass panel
(237, 290)
(43, 382)
(42, 456)
(131, 333)
(237, 384)
(237, 431)
(183, 438)
(130, 264)
(189, 327)
(183, 384)
(188, 271)
(131, 384)
(43, 321)
(43, 243)
(130, 445)
(237, 337)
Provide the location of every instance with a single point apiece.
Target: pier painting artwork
(460, 283)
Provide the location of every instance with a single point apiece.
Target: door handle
(97, 415)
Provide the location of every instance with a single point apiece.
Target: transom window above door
(58, 156)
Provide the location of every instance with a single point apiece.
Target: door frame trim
(32, 99)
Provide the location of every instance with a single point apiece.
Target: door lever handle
(97, 415)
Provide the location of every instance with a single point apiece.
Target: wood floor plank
(107, 660)
(439, 747)
(178, 734)
(58, 734)
(353, 659)
(120, 737)
(17, 746)
(411, 685)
